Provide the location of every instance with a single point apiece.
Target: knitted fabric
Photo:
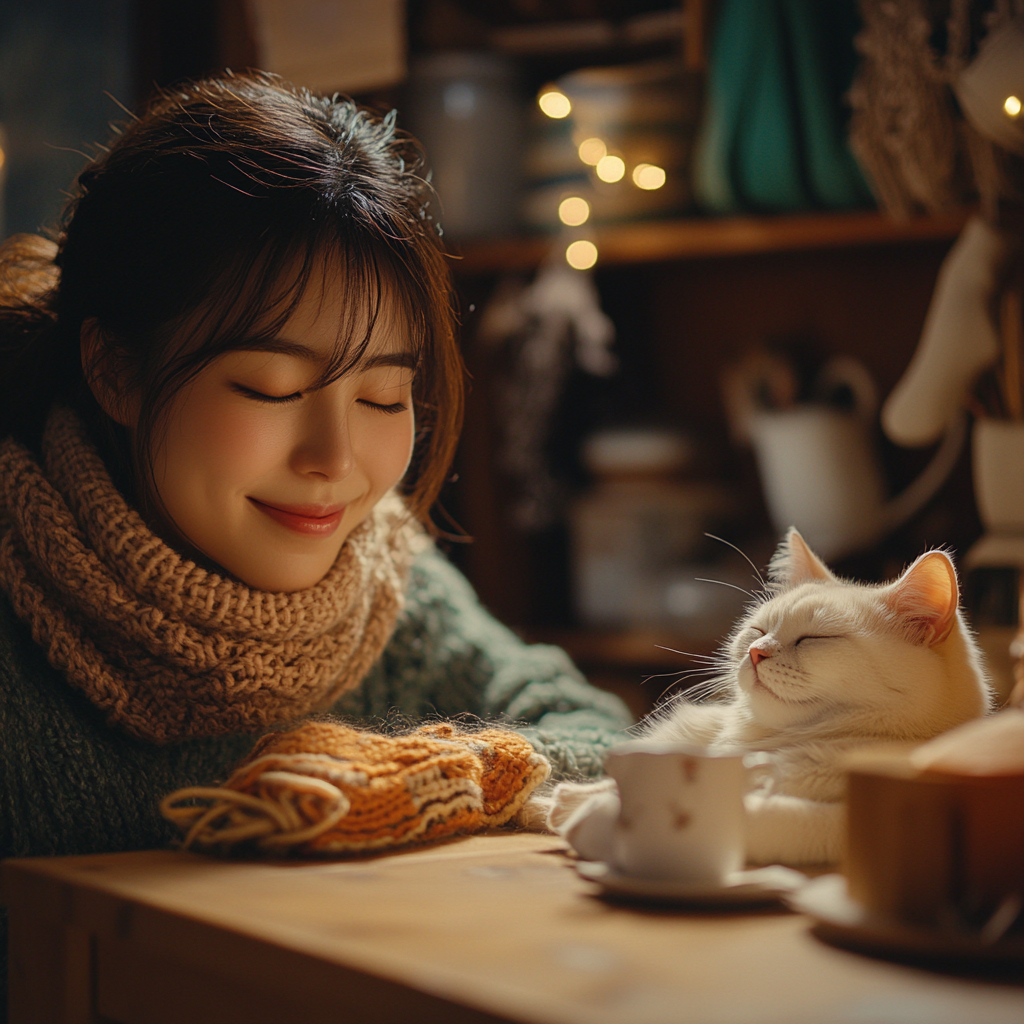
(166, 649)
(71, 784)
(328, 788)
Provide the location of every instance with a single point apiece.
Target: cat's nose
(757, 654)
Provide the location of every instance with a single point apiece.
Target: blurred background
(695, 245)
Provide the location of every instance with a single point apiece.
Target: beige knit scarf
(166, 649)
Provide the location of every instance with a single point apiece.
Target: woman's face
(266, 477)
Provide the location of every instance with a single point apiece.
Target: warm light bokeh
(554, 103)
(648, 176)
(581, 255)
(611, 168)
(1012, 106)
(573, 211)
(593, 151)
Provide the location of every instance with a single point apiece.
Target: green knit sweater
(71, 784)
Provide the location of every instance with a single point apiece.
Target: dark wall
(58, 61)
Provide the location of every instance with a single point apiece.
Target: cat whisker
(688, 654)
(722, 540)
(680, 675)
(719, 682)
(714, 684)
(722, 583)
(699, 692)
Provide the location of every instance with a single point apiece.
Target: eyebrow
(282, 346)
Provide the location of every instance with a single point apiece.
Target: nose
(325, 449)
(758, 654)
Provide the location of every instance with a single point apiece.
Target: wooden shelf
(701, 238)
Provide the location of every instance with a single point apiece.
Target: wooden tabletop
(487, 928)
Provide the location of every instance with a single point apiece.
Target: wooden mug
(931, 848)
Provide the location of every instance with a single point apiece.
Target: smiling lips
(311, 520)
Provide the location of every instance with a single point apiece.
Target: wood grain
(488, 928)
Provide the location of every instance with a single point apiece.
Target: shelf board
(702, 238)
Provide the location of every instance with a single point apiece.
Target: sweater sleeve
(449, 656)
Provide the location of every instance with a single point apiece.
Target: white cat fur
(838, 665)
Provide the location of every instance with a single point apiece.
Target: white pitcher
(821, 474)
(998, 449)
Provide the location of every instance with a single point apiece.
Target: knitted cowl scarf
(166, 649)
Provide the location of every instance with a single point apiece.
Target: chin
(286, 582)
(284, 576)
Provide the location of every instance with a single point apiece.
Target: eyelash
(388, 410)
(258, 396)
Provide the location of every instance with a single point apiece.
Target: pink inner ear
(926, 597)
(795, 562)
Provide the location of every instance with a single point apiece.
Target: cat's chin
(773, 711)
(757, 690)
(762, 689)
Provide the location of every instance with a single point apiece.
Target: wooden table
(484, 929)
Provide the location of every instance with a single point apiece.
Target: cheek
(819, 670)
(216, 443)
(386, 448)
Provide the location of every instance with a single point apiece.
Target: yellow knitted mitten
(328, 788)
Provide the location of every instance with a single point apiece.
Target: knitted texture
(71, 784)
(328, 788)
(168, 650)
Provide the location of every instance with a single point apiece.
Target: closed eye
(829, 637)
(389, 409)
(259, 396)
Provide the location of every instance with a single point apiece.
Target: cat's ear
(926, 598)
(794, 562)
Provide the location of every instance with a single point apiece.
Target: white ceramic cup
(681, 815)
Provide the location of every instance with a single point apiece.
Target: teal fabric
(820, 34)
(69, 784)
(773, 132)
(729, 87)
(767, 153)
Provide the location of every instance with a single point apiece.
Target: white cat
(820, 665)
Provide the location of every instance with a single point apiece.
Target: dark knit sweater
(70, 784)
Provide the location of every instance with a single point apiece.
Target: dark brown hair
(197, 231)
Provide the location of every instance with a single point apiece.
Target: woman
(230, 394)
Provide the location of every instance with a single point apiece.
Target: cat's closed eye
(801, 639)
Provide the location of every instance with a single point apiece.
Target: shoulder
(440, 601)
(434, 579)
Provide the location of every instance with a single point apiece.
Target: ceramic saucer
(759, 885)
(845, 922)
